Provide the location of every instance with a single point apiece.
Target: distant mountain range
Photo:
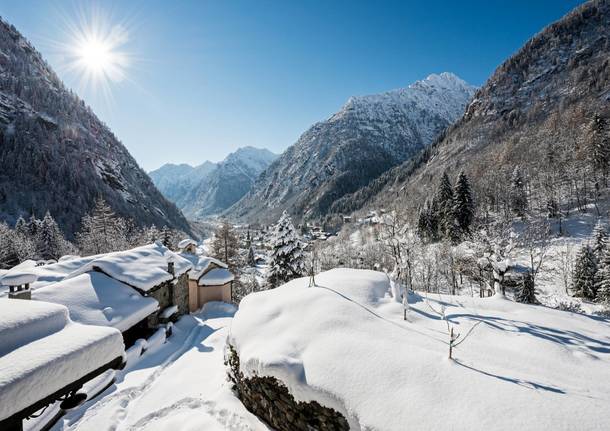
(210, 188)
(338, 156)
(57, 155)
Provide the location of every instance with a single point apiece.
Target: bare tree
(535, 240)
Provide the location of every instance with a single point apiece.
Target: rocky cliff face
(369, 135)
(57, 155)
(534, 111)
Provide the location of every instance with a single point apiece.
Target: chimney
(171, 259)
(19, 285)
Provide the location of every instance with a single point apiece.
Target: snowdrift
(43, 351)
(344, 344)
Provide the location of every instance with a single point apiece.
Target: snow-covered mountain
(210, 188)
(536, 111)
(57, 155)
(176, 182)
(369, 135)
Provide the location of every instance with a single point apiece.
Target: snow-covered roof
(20, 274)
(345, 344)
(43, 351)
(142, 267)
(94, 298)
(216, 277)
(201, 264)
(185, 243)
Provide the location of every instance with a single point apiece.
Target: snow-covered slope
(57, 155)
(344, 343)
(212, 187)
(369, 135)
(177, 181)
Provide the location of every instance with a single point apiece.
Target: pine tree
(518, 196)
(21, 226)
(251, 256)
(585, 274)
(167, 237)
(152, 234)
(599, 145)
(526, 292)
(463, 204)
(51, 243)
(287, 258)
(600, 239)
(444, 200)
(33, 225)
(603, 287)
(427, 224)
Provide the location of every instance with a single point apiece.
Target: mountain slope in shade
(369, 135)
(210, 188)
(534, 112)
(57, 155)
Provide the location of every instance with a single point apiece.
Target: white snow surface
(345, 344)
(48, 351)
(216, 277)
(178, 385)
(201, 264)
(142, 267)
(20, 274)
(94, 298)
(186, 242)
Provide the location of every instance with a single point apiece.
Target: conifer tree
(251, 256)
(21, 226)
(526, 292)
(585, 274)
(518, 196)
(463, 205)
(51, 243)
(603, 287)
(287, 258)
(599, 145)
(444, 209)
(167, 237)
(600, 239)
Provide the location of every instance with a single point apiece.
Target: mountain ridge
(209, 188)
(366, 137)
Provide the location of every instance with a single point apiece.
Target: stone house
(208, 280)
(133, 290)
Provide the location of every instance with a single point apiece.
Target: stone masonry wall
(269, 399)
(181, 293)
(174, 292)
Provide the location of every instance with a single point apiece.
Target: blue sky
(207, 77)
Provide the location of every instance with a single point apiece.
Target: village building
(187, 246)
(208, 280)
(133, 290)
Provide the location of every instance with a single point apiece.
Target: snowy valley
(431, 257)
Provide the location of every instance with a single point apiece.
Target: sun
(95, 55)
(93, 51)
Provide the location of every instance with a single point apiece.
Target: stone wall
(181, 293)
(269, 399)
(174, 292)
